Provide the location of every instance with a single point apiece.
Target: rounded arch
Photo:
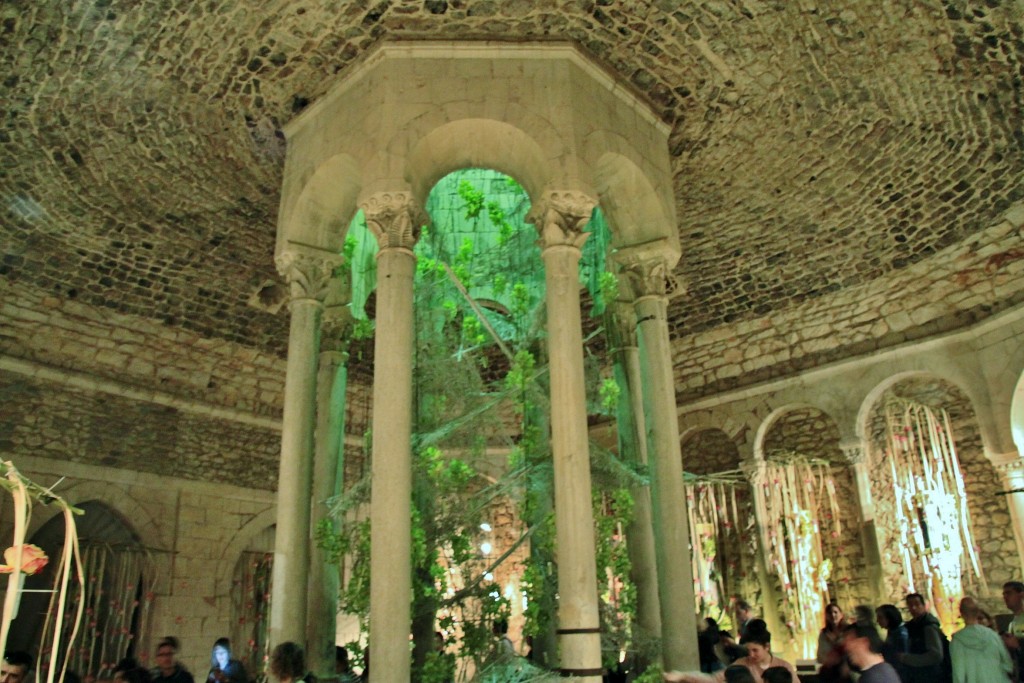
(121, 574)
(808, 431)
(1017, 415)
(875, 394)
(325, 206)
(233, 549)
(899, 441)
(635, 211)
(477, 143)
(716, 449)
(119, 502)
(771, 419)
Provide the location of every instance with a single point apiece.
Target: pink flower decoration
(33, 559)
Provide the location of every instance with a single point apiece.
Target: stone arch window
(899, 447)
(720, 508)
(250, 602)
(118, 595)
(811, 514)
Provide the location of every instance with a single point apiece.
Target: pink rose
(33, 559)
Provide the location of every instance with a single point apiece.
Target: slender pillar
(393, 218)
(651, 279)
(633, 440)
(857, 457)
(324, 578)
(307, 278)
(1011, 473)
(560, 223)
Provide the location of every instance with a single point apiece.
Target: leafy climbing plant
(480, 379)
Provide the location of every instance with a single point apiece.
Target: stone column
(307, 278)
(652, 281)
(324, 578)
(633, 432)
(560, 222)
(1010, 467)
(856, 456)
(394, 220)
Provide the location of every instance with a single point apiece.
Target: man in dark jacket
(168, 670)
(922, 663)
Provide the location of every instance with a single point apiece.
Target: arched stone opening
(813, 434)
(709, 451)
(118, 594)
(250, 601)
(1017, 415)
(318, 212)
(809, 517)
(990, 520)
(477, 143)
(723, 541)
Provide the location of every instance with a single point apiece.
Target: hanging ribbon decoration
(931, 506)
(791, 492)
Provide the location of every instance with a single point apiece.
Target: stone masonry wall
(709, 451)
(44, 419)
(195, 531)
(948, 291)
(814, 434)
(990, 518)
(74, 336)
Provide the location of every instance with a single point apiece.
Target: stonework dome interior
(828, 198)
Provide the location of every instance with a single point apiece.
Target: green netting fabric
(478, 227)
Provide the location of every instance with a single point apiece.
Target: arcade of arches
(206, 429)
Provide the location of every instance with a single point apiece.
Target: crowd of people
(287, 664)
(914, 650)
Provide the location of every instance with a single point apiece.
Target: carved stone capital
(560, 218)
(854, 453)
(336, 329)
(755, 470)
(394, 218)
(1010, 469)
(650, 277)
(307, 275)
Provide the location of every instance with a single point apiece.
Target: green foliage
(653, 674)
(352, 540)
(473, 197)
(520, 375)
(515, 670)
(479, 282)
(613, 511)
(608, 284)
(363, 329)
(439, 667)
(609, 394)
(349, 249)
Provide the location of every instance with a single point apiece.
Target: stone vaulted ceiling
(818, 147)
